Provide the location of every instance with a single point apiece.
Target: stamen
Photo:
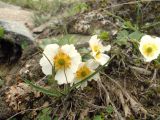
(62, 60)
(83, 72)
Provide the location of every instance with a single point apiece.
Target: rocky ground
(127, 90)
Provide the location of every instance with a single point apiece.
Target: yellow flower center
(98, 55)
(62, 60)
(83, 72)
(96, 48)
(150, 49)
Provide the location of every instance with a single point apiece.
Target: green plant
(104, 35)
(98, 117)
(84, 73)
(1, 32)
(39, 18)
(78, 7)
(109, 110)
(44, 114)
(124, 36)
(56, 93)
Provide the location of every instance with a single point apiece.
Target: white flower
(98, 50)
(84, 70)
(150, 47)
(65, 60)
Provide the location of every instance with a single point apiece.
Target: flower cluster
(150, 47)
(65, 62)
(98, 50)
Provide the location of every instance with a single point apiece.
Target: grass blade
(45, 91)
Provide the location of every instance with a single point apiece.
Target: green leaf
(45, 91)
(104, 35)
(44, 114)
(109, 109)
(136, 35)
(98, 117)
(1, 32)
(79, 7)
(67, 39)
(122, 37)
(128, 25)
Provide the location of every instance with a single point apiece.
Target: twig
(154, 76)
(113, 105)
(126, 109)
(96, 106)
(136, 107)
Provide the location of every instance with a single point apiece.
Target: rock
(16, 13)
(5, 5)
(16, 38)
(88, 23)
(17, 32)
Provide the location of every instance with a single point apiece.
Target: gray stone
(6, 5)
(16, 13)
(17, 32)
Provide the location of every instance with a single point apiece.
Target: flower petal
(48, 55)
(83, 85)
(102, 59)
(92, 64)
(75, 63)
(158, 43)
(94, 40)
(46, 66)
(64, 77)
(149, 59)
(50, 50)
(69, 49)
(145, 39)
(106, 48)
(96, 77)
(149, 40)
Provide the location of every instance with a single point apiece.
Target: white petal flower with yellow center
(98, 50)
(150, 47)
(84, 70)
(65, 60)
